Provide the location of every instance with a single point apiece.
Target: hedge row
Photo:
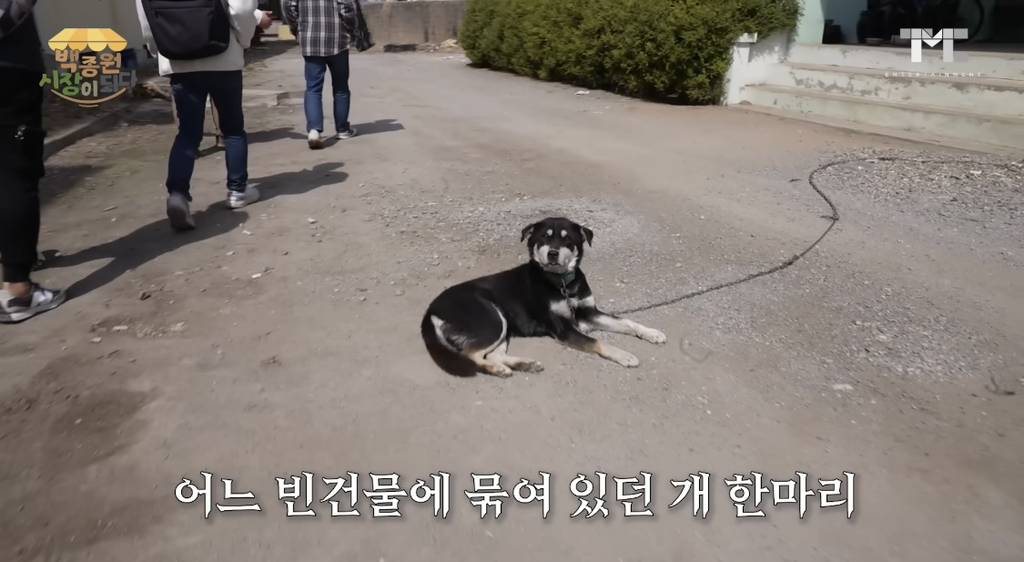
(668, 49)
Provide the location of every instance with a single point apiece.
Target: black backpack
(189, 29)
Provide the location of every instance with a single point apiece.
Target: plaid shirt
(318, 25)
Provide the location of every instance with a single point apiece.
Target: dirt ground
(283, 338)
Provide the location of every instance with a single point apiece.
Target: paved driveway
(284, 338)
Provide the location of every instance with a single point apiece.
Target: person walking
(200, 45)
(325, 41)
(265, 21)
(21, 163)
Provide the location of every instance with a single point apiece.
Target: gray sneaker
(239, 199)
(178, 212)
(348, 133)
(314, 140)
(18, 309)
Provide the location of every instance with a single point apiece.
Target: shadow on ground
(300, 181)
(151, 112)
(364, 129)
(155, 239)
(269, 48)
(379, 126)
(62, 179)
(281, 133)
(271, 135)
(66, 423)
(254, 137)
(145, 244)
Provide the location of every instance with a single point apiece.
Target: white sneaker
(314, 139)
(348, 133)
(178, 212)
(239, 199)
(40, 300)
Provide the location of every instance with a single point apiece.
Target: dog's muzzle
(555, 260)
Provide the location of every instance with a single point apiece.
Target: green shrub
(668, 49)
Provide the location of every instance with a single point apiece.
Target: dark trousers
(316, 68)
(190, 91)
(21, 166)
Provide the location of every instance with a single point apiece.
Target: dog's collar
(561, 280)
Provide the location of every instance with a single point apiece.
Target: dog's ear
(587, 234)
(528, 231)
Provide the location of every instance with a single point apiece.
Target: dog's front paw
(624, 358)
(532, 367)
(653, 336)
(498, 370)
(526, 366)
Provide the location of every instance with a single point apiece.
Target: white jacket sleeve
(243, 17)
(147, 34)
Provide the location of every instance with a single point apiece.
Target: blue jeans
(316, 67)
(190, 91)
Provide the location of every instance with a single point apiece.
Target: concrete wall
(52, 16)
(408, 23)
(753, 61)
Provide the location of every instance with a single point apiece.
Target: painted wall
(812, 23)
(844, 13)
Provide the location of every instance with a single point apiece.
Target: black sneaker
(18, 309)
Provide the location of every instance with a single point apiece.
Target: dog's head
(556, 244)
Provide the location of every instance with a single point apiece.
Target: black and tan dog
(468, 326)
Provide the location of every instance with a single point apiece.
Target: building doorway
(993, 25)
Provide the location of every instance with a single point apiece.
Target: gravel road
(283, 338)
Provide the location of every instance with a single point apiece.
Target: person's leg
(19, 227)
(226, 92)
(342, 95)
(21, 167)
(19, 219)
(217, 134)
(174, 110)
(313, 100)
(189, 93)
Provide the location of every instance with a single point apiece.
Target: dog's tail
(443, 351)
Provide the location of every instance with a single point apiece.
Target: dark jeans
(316, 67)
(190, 91)
(21, 166)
